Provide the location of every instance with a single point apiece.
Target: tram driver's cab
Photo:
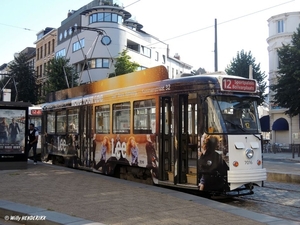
(231, 114)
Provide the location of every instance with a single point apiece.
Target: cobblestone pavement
(276, 199)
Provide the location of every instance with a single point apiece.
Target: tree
(239, 66)
(287, 88)
(60, 75)
(123, 65)
(25, 78)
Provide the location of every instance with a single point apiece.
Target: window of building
(144, 117)
(164, 59)
(132, 45)
(100, 17)
(41, 70)
(280, 26)
(78, 45)
(53, 45)
(146, 51)
(107, 17)
(38, 54)
(61, 53)
(45, 52)
(114, 17)
(41, 52)
(99, 63)
(49, 47)
(156, 56)
(141, 68)
(121, 118)
(102, 119)
(44, 70)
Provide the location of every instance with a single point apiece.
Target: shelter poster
(12, 131)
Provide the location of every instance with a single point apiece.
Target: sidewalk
(67, 196)
(277, 172)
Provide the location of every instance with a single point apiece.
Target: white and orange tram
(197, 132)
(35, 117)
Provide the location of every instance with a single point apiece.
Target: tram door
(165, 138)
(181, 131)
(85, 135)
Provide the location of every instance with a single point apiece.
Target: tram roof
(157, 73)
(154, 75)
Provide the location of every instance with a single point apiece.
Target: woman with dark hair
(210, 164)
(151, 157)
(3, 130)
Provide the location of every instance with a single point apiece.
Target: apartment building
(45, 51)
(284, 129)
(93, 36)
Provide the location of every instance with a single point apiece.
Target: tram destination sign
(239, 85)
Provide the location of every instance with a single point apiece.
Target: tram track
(281, 200)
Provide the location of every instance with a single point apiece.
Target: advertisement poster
(12, 131)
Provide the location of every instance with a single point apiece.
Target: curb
(19, 213)
(283, 177)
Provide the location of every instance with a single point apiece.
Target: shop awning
(265, 123)
(280, 124)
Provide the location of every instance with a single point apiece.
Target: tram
(35, 117)
(194, 132)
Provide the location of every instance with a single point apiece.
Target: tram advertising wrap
(194, 132)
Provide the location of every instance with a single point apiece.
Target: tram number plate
(248, 162)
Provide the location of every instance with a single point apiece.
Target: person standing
(3, 131)
(33, 140)
(14, 130)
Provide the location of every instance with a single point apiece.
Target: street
(278, 199)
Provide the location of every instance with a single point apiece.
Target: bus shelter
(13, 134)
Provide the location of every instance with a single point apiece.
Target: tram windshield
(232, 114)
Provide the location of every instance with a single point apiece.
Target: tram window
(213, 116)
(144, 116)
(61, 122)
(73, 115)
(51, 122)
(121, 118)
(102, 119)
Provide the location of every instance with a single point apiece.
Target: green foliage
(287, 88)
(123, 65)
(60, 75)
(25, 79)
(239, 66)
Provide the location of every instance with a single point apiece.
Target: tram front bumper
(240, 177)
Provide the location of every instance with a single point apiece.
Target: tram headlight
(249, 153)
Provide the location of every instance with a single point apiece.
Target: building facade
(93, 36)
(45, 51)
(284, 129)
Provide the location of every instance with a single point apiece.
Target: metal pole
(216, 47)
(250, 72)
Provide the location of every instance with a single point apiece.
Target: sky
(186, 26)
